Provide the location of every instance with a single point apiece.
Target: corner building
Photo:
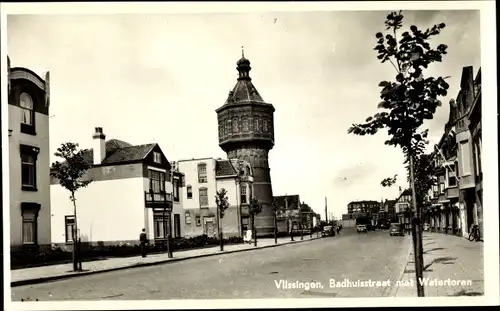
(246, 132)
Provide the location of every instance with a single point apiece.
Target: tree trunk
(417, 234)
(75, 238)
(253, 231)
(275, 229)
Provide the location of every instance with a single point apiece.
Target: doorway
(177, 225)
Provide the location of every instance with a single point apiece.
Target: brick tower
(246, 132)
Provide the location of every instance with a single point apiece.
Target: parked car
(370, 227)
(361, 228)
(328, 231)
(396, 230)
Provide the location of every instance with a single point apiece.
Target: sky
(159, 78)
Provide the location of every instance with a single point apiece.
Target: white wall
(190, 170)
(42, 196)
(110, 210)
(233, 190)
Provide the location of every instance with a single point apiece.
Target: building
(29, 154)
(459, 206)
(203, 178)
(287, 213)
(389, 211)
(357, 209)
(131, 190)
(402, 206)
(474, 120)
(246, 132)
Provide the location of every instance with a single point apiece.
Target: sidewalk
(447, 257)
(49, 273)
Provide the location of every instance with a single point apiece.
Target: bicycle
(474, 234)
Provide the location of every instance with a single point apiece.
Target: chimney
(99, 145)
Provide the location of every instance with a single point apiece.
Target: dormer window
(26, 104)
(157, 157)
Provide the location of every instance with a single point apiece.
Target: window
(160, 226)
(176, 189)
(465, 152)
(198, 221)
(245, 124)
(29, 218)
(188, 218)
(26, 104)
(202, 173)
(228, 127)
(28, 167)
(235, 125)
(477, 156)
(156, 181)
(243, 193)
(221, 129)
(441, 187)
(69, 223)
(203, 197)
(265, 126)
(256, 124)
(29, 228)
(157, 157)
(452, 179)
(189, 191)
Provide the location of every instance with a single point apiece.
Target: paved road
(252, 274)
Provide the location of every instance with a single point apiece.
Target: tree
(254, 208)
(409, 101)
(276, 209)
(222, 205)
(70, 174)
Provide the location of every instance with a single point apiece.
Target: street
(252, 274)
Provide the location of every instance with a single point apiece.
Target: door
(177, 225)
(209, 226)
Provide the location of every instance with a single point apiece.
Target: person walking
(144, 241)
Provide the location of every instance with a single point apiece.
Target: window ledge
(28, 129)
(204, 207)
(28, 188)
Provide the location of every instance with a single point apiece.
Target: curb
(147, 264)
(394, 289)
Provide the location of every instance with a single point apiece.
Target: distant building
(288, 213)
(131, 190)
(203, 178)
(29, 154)
(402, 206)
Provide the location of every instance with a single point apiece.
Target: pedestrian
(144, 241)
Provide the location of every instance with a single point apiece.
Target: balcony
(157, 198)
(452, 192)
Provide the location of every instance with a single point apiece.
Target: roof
(118, 151)
(293, 200)
(244, 91)
(224, 168)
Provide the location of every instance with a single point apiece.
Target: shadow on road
(442, 260)
(314, 293)
(434, 249)
(466, 293)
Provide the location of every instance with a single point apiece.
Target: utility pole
(326, 211)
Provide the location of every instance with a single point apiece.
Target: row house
(288, 216)
(403, 208)
(458, 195)
(133, 187)
(202, 179)
(29, 157)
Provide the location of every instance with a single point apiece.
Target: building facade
(203, 178)
(403, 208)
(29, 154)
(287, 213)
(246, 132)
(458, 206)
(364, 208)
(131, 189)
(474, 120)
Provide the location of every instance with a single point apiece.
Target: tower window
(245, 124)
(256, 124)
(235, 125)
